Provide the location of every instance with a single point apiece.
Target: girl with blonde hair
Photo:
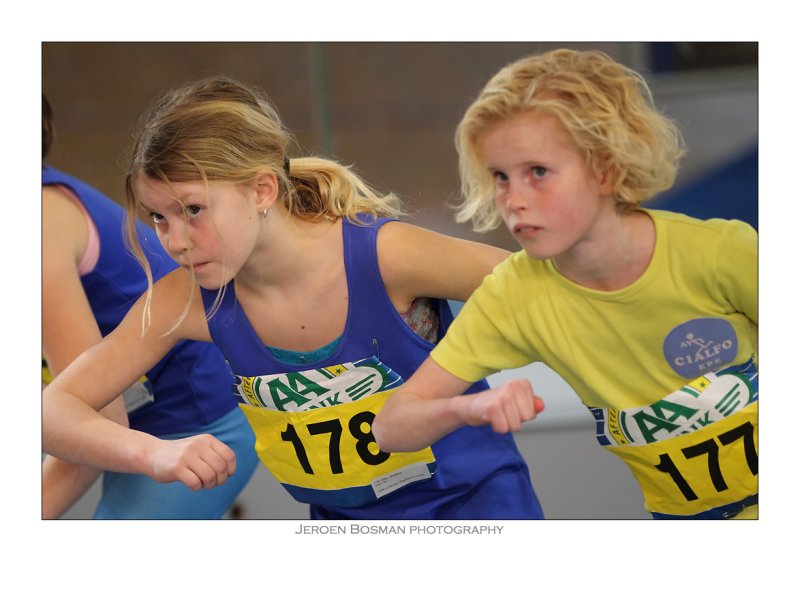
(89, 282)
(322, 305)
(651, 316)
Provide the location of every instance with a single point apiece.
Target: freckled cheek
(562, 210)
(213, 243)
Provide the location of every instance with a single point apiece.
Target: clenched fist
(200, 461)
(505, 408)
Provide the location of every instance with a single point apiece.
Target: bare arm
(415, 262)
(74, 430)
(430, 405)
(68, 328)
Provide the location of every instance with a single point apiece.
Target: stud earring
(265, 213)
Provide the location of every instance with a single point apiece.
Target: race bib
(314, 432)
(696, 450)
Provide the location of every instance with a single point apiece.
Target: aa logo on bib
(705, 400)
(318, 388)
(700, 345)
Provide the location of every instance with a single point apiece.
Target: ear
(266, 188)
(606, 175)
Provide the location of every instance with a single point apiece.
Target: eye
(156, 217)
(499, 176)
(193, 210)
(539, 171)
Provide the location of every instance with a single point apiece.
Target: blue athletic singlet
(186, 384)
(186, 392)
(313, 422)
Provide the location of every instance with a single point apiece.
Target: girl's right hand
(200, 461)
(504, 408)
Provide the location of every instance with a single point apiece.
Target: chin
(537, 253)
(208, 282)
(212, 282)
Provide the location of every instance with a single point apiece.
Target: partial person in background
(319, 299)
(650, 316)
(89, 281)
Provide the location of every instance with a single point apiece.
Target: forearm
(426, 408)
(63, 484)
(76, 433)
(431, 405)
(407, 422)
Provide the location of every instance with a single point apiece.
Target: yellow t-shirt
(693, 312)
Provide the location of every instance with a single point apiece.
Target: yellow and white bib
(694, 452)
(313, 432)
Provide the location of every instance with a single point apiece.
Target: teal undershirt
(300, 358)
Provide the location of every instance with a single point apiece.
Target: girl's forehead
(535, 122)
(526, 131)
(147, 188)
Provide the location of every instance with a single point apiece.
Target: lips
(195, 267)
(525, 229)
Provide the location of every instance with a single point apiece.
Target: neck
(289, 250)
(617, 254)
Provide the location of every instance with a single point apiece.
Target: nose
(177, 238)
(515, 196)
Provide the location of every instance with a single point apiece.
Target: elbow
(391, 436)
(381, 431)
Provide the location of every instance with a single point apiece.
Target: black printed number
(334, 427)
(290, 435)
(710, 449)
(366, 438)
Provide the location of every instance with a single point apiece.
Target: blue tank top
(191, 384)
(465, 459)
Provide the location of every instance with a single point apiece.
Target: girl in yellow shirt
(650, 316)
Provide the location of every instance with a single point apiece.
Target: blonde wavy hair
(606, 108)
(220, 129)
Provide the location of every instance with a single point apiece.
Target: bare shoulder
(415, 261)
(59, 211)
(176, 306)
(65, 233)
(54, 196)
(400, 240)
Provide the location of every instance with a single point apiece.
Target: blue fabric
(191, 383)
(132, 496)
(480, 474)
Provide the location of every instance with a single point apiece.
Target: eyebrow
(177, 199)
(529, 163)
(193, 194)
